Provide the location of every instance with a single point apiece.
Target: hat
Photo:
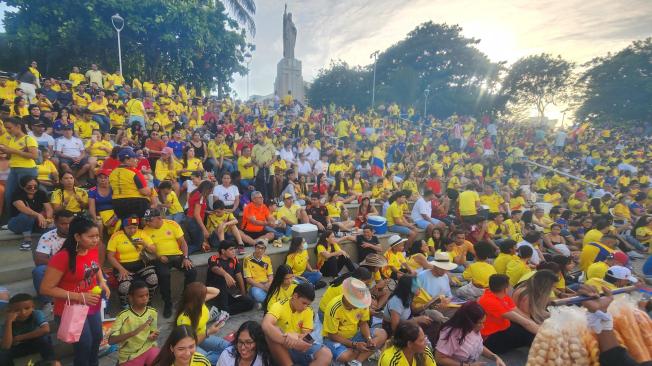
(621, 258)
(374, 260)
(621, 273)
(130, 221)
(167, 150)
(287, 195)
(67, 127)
(395, 240)
(443, 261)
(151, 213)
(106, 172)
(126, 153)
(356, 293)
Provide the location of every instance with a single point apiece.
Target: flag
(377, 162)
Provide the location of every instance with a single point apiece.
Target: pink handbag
(72, 321)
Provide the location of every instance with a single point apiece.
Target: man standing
(262, 155)
(225, 273)
(172, 252)
(94, 76)
(48, 245)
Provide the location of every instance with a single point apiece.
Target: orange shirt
(259, 212)
(494, 308)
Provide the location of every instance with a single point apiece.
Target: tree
(435, 56)
(244, 11)
(618, 88)
(161, 40)
(538, 81)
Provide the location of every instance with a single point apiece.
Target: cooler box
(379, 224)
(306, 231)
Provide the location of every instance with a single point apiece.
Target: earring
(77, 247)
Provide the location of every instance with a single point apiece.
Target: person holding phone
(135, 329)
(346, 324)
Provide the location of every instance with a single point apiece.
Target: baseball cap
(287, 195)
(130, 221)
(106, 172)
(621, 258)
(126, 153)
(151, 213)
(621, 273)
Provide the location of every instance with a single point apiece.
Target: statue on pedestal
(289, 34)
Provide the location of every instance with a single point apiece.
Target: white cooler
(308, 232)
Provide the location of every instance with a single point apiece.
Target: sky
(351, 30)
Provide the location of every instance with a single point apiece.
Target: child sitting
(26, 331)
(135, 329)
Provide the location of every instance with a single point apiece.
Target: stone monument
(288, 70)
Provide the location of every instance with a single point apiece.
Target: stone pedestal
(288, 78)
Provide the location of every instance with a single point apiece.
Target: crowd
(488, 221)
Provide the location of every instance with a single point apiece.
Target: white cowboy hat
(443, 261)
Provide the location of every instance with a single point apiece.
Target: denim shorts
(423, 224)
(400, 229)
(338, 348)
(304, 358)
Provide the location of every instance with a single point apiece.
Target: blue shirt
(434, 286)
(102, 203)
(35, 321)
(177, 147)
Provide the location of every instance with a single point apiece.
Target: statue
(289, 34)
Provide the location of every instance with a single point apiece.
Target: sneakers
(25, 245)
(354, 363)
(320, 284)
(48, 311)
(167, 310)
(277, 243)
(241, 250)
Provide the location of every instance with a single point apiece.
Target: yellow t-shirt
(96, 149)
(393, 356)
(334, 209)
(321, 248)
(467, 200)
(592, 236)
(166, 238)
(289, 213)
(599, 283)
(214, 220)
(291, 321)
(21, 144)
(173, 201)
(479, 273)
(76, 78)
(282, 294)
(515, 270)
(644, 231)
(163, 172)
(67, 201)
(125, 251)
(193, 165)
(98, 108)
(184, 319)
(501, 261)
(342, 321)
(394, 211)
(257, 270)
(128, 321)
(517, 203)
(245, 173)
(46, 171)
(395, 261)
(597, 270)
(493, 201)
(330, 293)
(298, 262)
(514, 230)
(85, 128)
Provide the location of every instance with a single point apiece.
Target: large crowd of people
(487, 220)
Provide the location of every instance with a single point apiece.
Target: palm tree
(243, 11)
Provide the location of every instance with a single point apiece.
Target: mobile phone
(308, 338)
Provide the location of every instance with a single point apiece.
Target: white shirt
(226, 195)
(304, 167)
(72, 147)
(288, 156)
(50, 243)
(535, 255)
(492, 129)
(433, 285)
(44, 139)
(421, 207)
(227, 360)
(312, 154)
(320, 167)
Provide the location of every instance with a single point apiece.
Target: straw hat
(443, 261)
(356, 293)
(374, 260)
(395, 240)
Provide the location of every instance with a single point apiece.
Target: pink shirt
(469, 351)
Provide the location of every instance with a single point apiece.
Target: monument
(288, 70)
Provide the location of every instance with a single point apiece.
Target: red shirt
(155, 145)
(434, 185)
(143, 163)
(82, 280)
(195, 198)
(110, 164)
(494, 307)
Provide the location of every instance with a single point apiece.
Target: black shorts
(125, 207)
(72, 164)
(255, 234)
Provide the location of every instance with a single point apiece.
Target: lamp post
(425, 103)
(116, 18)
(247, 57)
(373, 86)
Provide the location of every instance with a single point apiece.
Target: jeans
(103, 121)
(139, 119)
(12, 183)
(177, 217)
(258, 294)
(163, 274)
(400, 229)
(312, 277)
(634, 242)
(42, 345)
(194, 234)
(37, 276)
(279, 232)
(87, 348)
(22, 224)
(212, 348)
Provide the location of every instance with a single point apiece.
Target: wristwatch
(186, 257)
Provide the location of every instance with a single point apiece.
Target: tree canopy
(170, 40)
(618, 87)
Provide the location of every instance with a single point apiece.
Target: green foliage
(538, 81)
(618, 88)
(173, 40)
(434, 56)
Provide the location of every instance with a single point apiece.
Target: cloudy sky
(352, 29)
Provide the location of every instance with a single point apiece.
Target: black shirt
(363, 252)
(231, 266)
(36, 203)
(319, 213)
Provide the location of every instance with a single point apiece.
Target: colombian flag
(377, 161)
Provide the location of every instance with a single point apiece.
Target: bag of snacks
(633, 328)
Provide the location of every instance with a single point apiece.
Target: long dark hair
(192, 301)
(165, 356)
(78, 225)
(465, 319)
(338, 180)
(403, 290)
(361, 273)
(408, 331)
(279, 276)
(295, 245)
(256, 333)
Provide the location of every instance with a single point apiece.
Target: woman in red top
(196, 232)
(72, 274)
